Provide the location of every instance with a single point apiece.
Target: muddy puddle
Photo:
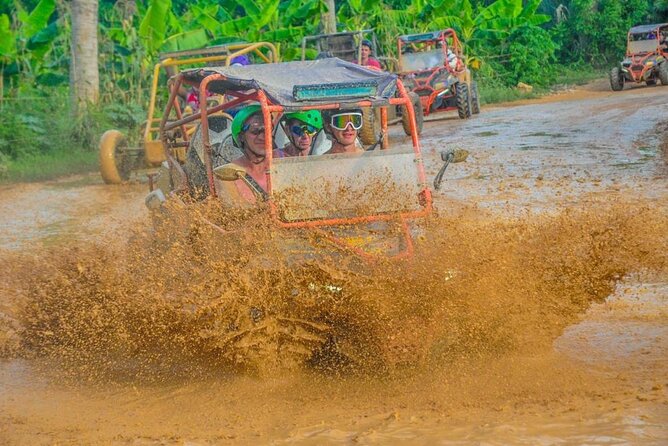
(534, 313)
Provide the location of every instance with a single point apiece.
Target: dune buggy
(117, 158)
(433, 66)
(363, 206)
(646, 54)
(347, 46)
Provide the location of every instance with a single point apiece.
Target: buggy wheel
(370, 126)
(616, 79)
(463, 100)
(475, 99)
(419, 115)
(115, 160)
(663, 73)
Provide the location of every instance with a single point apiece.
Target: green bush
(532, 56)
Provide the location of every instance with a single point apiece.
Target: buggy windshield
(424, 60)
(343, 186)
(642, 46)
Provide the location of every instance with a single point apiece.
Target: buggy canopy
(422, 37)
(646, 28)
(299, 84)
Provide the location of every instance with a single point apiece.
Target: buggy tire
(370, 130)
(463, 99)
(475, 99)
(616, 79)
(419, 115)
(663, 73)
(115, 163)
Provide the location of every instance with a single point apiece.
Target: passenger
(301, 128)
(342, 127)
(367, 59)
(248, 134)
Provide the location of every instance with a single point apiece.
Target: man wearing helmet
(301, 129)
(342, 127)
(248, 134)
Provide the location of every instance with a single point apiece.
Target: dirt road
(589, 161)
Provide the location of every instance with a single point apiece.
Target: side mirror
(454, 156)
(233, 172)
(230, 172)
(449, 156)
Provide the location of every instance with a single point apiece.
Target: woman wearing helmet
(301, 129)
(342, 127)
(248, 134)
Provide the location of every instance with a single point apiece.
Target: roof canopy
(298, 84)
(422, 37)
(646, 28)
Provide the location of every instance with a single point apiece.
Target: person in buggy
(302, 129)
(342, 127)
(366, 50)
(248, 134)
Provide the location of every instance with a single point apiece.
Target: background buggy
(646, 54)
(117, 159)
(433, 66)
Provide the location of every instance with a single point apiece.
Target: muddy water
(545, 281)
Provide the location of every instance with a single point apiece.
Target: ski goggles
(341, 120)
(301, 130)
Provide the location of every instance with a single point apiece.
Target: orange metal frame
(267, 107)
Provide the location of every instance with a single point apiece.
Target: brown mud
(534, 312)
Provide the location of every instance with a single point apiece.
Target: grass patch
(49, 165)
(494, 94)
(578, 75)
(566, 77)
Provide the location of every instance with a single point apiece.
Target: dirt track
(605, 382)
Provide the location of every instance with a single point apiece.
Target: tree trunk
(84, 75)
(329, 18)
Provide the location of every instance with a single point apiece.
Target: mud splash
(172, 306)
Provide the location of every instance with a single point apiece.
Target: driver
(342, 126)
(248, 134)
(301, 129)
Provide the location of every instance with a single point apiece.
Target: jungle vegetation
(538, 42)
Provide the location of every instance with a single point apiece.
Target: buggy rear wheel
(616, 79)
(463, 99)
(370, 125)
(115, 160)
(663, 73)
(419, 115)
(475, 99)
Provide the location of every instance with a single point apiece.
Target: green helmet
(310, 117)
(240, 118)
